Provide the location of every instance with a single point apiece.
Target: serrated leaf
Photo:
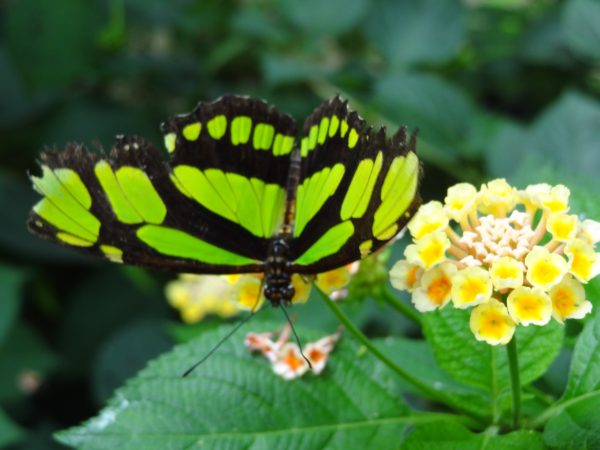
(414, 31)
(577, 427)
(453, 436)
(584, 375)
(481, 365)
(235, 401)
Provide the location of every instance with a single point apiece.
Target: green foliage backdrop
(498, 88)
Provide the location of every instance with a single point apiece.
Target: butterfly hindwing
(356, 191)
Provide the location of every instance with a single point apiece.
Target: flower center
(495, 237)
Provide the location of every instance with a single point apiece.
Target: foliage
(497, 88)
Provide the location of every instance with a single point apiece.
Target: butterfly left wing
(126, 208)
(356, 191)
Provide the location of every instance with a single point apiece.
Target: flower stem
(400, 306)
(336, 310)
(513, 366)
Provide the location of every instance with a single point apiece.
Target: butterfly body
(239, 193)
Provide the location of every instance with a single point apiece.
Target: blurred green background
(498, 88)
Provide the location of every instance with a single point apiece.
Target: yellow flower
(247, 292)
(497, 198)
(429, 250)
(497, 248)
(199, 295)
(429, 218)
(490, 322)
(529, 306)
(435, 288)
(562, 226)
(459, 201)
(336, 279)
(533, 195)
(544, 269)
(507, 273)
(568, 300)
(584, 262)
(405, 276)
(302, 289)
(556, 200)
(590, 231)
(471, 286)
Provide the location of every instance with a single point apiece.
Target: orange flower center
(316, 356)
(562, 300)
(439, 289)
(292, 361)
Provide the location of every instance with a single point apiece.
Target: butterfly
(239, 193)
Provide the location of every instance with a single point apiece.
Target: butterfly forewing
(356, 191)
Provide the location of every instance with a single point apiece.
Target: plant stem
(475, 421)
(425, 388)
(400, 306)
(513, 365)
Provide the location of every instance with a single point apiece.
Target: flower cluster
(197, 296)
(515, 256)
(286, 358)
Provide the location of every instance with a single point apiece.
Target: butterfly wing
(357, 189)
(211, 209)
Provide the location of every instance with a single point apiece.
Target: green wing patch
(340, 219)
(126, 208)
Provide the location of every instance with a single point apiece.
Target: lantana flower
(286, 358)
(512, 257)
(196, 296)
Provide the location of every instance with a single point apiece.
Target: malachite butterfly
(239, 193)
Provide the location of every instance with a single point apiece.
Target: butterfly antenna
(285, 313)
(227, 336)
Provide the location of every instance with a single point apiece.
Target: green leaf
(235, 401)
(100, 305)
(420, 100)
(584, 375)
(11, 280)
(453, 436)
(315, 16)
(580, 25)
(417, 358)
(125, 353)
(481, 365)
(10, 433)
(23, 354)
(563, 140)
(416, 31)
(51, 43)
(577, 427)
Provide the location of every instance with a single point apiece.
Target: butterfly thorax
(278, 280)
